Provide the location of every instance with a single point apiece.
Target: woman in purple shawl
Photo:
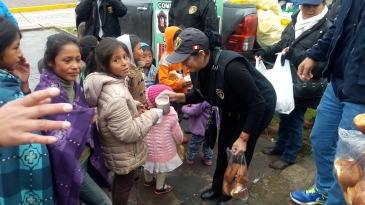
(78, 146)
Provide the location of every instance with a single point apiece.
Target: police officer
(247, 99)
(199, 14)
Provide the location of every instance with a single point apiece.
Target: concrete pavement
(31, 3)
(272, 187)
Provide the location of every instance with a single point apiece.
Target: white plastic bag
(280, 77)
(260, 66)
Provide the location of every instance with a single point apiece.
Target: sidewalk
(272, 188)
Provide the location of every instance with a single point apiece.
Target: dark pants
(121, 188)
(230, 130)
(178, 107)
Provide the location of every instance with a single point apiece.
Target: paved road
(29, 3)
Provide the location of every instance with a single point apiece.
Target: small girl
(161, 141)
(87, 44)
(198, 117)
(121, 127)
(25, 170)
(78, 148)
(136, 83)
(149, 70)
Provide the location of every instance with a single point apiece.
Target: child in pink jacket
(161, 142)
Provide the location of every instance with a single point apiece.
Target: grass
(71, 30)
(306, 148)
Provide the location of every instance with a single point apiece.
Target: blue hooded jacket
(344, 51)
(4, 11)
(151, 77)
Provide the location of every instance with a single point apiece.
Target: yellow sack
(272, 5)
(269, 28)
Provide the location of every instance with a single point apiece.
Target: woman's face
(196, 63)
(11, 55)
(309, 11)
(137, 52)
(67, 64)
(119, 63)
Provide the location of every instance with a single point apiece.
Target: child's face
(147, 58)
(67, 64)
(137, 52)
(119, 63)
(11, 55)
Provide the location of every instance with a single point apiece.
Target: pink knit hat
(153, 91)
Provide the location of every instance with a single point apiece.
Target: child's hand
(22, 70)
(95, 116)
(141, 109)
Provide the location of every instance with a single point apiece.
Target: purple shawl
(65, 153)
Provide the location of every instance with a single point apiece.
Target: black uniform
(246, 98)
(199, 14)
(109, 11)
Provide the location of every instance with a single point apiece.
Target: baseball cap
(310, 2)
(189, 41)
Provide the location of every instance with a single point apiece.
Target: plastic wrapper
(269, 28)
(180, 151)
(235, 177)
(281, 79)
(349, 165)
(272, 5)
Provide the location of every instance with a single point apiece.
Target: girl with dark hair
(121, 127)
(245, 97)
(78, 149)
(87, 44)
(136, 83)
(25, 169)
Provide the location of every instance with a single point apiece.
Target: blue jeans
(195, 142)
(290, 133)
(331, 114)
(91, 193)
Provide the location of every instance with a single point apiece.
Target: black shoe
(209, 194)
(280, 164)
(271, 151)
(187, 131)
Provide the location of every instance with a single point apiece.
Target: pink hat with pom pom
(153, 91)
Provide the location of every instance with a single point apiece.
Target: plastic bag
(235, 177)
(280, 77)
(269, 28)
(272, 5)
(260, 66)
(349, 165)
(180, 151)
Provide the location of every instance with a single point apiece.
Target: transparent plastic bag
(260, 66)
(281, 79)
(235, 177)
(349, 165)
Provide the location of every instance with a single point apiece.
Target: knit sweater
(162, 138)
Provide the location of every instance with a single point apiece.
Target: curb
(42, 8)
(59, 29)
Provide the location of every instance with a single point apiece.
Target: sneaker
(188, 161)
(185, 140)
(164, 190)
(206, 162)
(150, 183)
(309, 197)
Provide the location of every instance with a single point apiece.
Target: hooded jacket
(151, 76)
(121, 128)
(136, 84)
(164, 67)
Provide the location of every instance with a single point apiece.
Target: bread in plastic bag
(359, 121)
(349, 165)
(235, 177)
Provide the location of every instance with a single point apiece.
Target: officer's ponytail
(215, 39)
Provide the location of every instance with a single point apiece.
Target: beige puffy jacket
(121, 129)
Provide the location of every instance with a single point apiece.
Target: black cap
(189, 41)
